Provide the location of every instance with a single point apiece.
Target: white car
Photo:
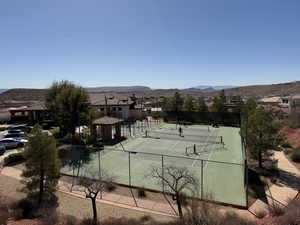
(11, 143)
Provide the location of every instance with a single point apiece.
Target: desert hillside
(15, 96)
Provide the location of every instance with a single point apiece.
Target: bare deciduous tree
(176, 180)
(92, 183)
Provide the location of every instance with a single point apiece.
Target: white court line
(173, 147)
(210, 152)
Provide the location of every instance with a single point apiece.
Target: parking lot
(8, 150)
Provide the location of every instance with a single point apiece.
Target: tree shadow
(288, 179)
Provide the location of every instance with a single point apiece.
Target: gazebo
(106, 124)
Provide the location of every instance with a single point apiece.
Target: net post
(202, 179)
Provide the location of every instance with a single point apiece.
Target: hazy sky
(159, 43)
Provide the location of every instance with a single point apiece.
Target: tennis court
(214, 155)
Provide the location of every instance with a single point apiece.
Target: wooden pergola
(106, 124)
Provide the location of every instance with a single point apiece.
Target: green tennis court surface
(213, 155)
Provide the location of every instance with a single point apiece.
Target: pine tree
(41, 171)
(201, 107)
(176, 103)
(219, 103)
(189, 104)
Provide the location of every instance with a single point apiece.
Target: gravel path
(71, 205)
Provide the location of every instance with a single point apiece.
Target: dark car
(22, 128)
(11, 143)
(14, 135)
(2, 149)
(15, 132)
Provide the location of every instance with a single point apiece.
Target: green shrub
(98, 145)
(25, 207)
(14, 158)
(286, 145)
(55, 131)
(90, 140)
(72, 139)
(295, 156)
(288, 151)
(146, 218)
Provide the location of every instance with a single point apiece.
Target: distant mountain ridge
(2, 90)
(119, 89)
(218, 87)
(16, 97)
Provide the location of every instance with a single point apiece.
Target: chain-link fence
(217, 181)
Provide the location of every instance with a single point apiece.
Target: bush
(286, 145)
(24, 209)
(275, 209)
(91, 140)
(89, 221)
(14, 158)
(72, 139)
(4, 214)
(141, 193)
(288, 151)
(55, 131)
(234, 219)
(295, 156)
(261, 214)
(49, 217)
(110, 187)
(68, 220)
(146, 218)
(291, 215)
(98, 145)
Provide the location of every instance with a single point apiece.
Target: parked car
(15, 132)
(11, 143)
(22, 128)
(15, 136)
(2, 149)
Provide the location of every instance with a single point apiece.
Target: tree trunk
(41, 192)
(260, 165)
(179, 206)
(95, 217)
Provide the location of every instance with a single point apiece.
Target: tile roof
(106, 120)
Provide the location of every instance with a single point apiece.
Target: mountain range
(208, 87)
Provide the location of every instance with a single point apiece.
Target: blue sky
(158, 43)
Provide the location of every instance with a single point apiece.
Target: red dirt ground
(292, 135)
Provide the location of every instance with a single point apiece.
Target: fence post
(162, 173)
(100, 176)
(202, 179)
(129, 169)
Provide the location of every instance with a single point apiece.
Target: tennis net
(189, 138)
(203, 149)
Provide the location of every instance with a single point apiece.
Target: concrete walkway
(285, 189)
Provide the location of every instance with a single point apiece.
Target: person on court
(180, 131)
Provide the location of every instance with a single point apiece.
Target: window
(101, 109)
(114, 109)
(120, 108)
